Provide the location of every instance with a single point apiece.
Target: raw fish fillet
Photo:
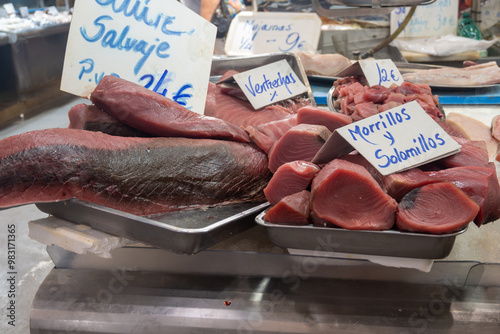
(326, 64)
(153, 113)
(481, 74)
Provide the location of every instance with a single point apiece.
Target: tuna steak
(291, 210)
(290, 178)
(346, 195)
(435, 208)
(153, 113)
(301, 142)
(137, 175)
(480, 184)
(319, 116)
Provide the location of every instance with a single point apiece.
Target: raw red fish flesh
(320, 116)
(397, 185)
(301, 142)
(291, 210)
(153, 113)
(290, 178)
(472, 153)
(277, 129)
(240, 112)
(346, 195)
(89, 117)
(261, 140)
(480, 184)
(137, 175)
(435, 208)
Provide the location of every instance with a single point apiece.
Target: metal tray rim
(259, 219)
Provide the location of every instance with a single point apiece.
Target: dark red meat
(435, 208)
(153, 113)
(399, 184)
(136, 175)
(301, 142)
(290, 178)
(320, 116)
(472, 153)
(346, 195)
(89, 117)
(480, 184)
(291, 210)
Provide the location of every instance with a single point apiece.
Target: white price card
(395, 140)
(24, 12)
(269, 84)
(9, 8)
(253, 33)
(435, 19)
(377, 72)
(159, 44)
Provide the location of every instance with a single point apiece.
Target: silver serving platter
(183, 232)
(382, 243)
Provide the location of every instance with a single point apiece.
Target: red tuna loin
(291, 210)
(89, 117)
(319, 116)
(480, 184)
(399, 184)
(261, 140)
(240, 112)
(301, 142)
(472, 153)
(277, 129)
(153, 113)
(137, 175)
(346, 195)
(290, 178)
(435, 208)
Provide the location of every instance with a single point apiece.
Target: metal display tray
(382, 243)
(184, 232)
(221, 64)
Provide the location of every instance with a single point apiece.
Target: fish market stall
(245, 219)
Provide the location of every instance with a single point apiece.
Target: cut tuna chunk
(89, 117)
(153, 113)
(435, 208)
(480, 184)
(277, 129)
(361, 160)
(319, 116)
(290, 178)
(346, 195)
(136, 175)
(301, 142)
(291, 210)
(472, 153)
(399, 184)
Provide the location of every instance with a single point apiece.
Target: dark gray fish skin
(136, 175)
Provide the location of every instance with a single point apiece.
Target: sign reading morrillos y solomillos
(394, 140)
(159, 44)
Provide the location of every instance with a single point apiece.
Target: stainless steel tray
(383, 243)
(221, 64)
(184, 232)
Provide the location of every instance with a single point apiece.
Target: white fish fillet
(475, 130)
(481, 74)
(327, 64)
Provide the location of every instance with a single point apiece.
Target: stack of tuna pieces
(440, 197)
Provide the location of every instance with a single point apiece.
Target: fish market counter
(246, 284)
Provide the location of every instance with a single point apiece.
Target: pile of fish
(145, 154)
(439, 197)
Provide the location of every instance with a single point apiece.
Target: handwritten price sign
(159, 44)
(262, 32)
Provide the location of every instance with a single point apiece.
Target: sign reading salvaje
(159, 44)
